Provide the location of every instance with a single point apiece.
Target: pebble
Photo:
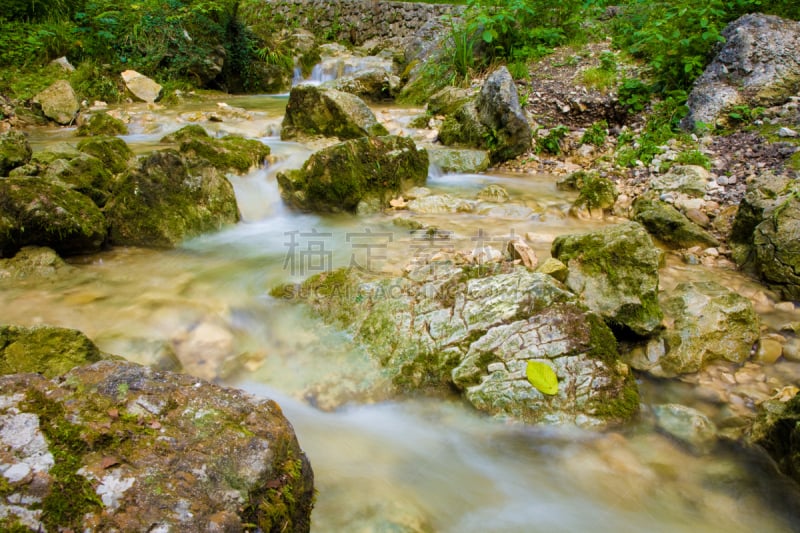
(791, 350)
(769, 350)
(785, 307)
(787, 132)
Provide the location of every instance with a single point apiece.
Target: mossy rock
(115, 153)
(102, 124)
(186, 133)
(449, 100)
(34, 211)
(228, 154)
(464, 129)
(165, 201)
(84, 174)
(15, 151)
(669, 225)
(316, 112)
(596, 192)
(614, 270)
(776, 242)
(47, 350)
(777, 430)
(339, 177)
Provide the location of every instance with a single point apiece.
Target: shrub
(551, 143)
(596, 133)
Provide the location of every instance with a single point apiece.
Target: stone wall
(363, 20)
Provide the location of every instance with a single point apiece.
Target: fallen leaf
(113, 413)
(542, 376)
(109, 461)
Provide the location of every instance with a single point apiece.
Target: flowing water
(412, 465)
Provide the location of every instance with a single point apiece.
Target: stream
(421, 464)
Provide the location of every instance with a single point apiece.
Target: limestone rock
(687, 179)
(59, 102)
(313, 112)
(114, 153)
(231, 153)
(440, 203)
(15, 151)
(705, 321)
(520, 251)
(669, 225)
(449, 100)
(82, 173)
(47, 350)
(614, 271)
(688, 425)
(757, 66)
(114, 446)
(167, 200)
(340, 177)
(32, 261)
(140, 86)
(34, 211)
(494, 193)
(375, 84)
(459, 160)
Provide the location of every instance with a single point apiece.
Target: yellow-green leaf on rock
(542, 377)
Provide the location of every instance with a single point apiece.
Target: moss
(47, 350)
(603, 343)
(229, 154)
(596, 192)
(15, 151)
(186, 133)
(621, 406)
(308, 60)
(102, 124)
(112, 151)
(463, 128)
(85, 174)
(793, 162)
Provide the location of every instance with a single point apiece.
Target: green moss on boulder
(84, 174)
(15, 151)
(777, 430)
(115, 153)
(102, 124)
(338, 178)
(47, 350)
(228, 154)
(669, 225)
(186, 133)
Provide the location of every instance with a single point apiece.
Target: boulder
(314, 111)
(340, 177)
(231, 153)
(47, 350)
(499, 110)
(140, 86)
(764, 191)
(84, 174)
(687, 425)
(669, 225)
(757, 66)
(115, 153)
(464, 129)
(690, 180)
(32, 262)
(34, 211)
(58, 102)
(166, 200)
(777, 430)
(459, 160)
(115, 446)
(449, 100)
(478, 327)
(15, 151)
(101, 124)
(375, 84)
(776, 242)
(614, 270)
(705, 321)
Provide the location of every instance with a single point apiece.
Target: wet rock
(375, 84)
(757, 66)
(705, 321)
(440, 203)
(101, 124)
(494, 193)
(314, 112)
(614, 271)
(763, 192)
(687, 425)
(687, 179)
(554, 268)
(32, 261)
(459, 160)
(476, 327)
(776, 242)
(34, 211)
(82, 173)
(340, 177)
(15, 151)
(140, 86)
(669, 225)
(58, 102)
(116, 446)
(769, 350)
(494, 121)
(777, 430)
(520, 251)
(167, 200)
(448, 100)
(114, 153)
(231, 153)
(47, 350)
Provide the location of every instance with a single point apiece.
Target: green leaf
(487, 36)
(542, 376)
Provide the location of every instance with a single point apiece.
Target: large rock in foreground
(34, 211)
(495, 121)
(341, 177)
(614, 270)
(167, 200)
(757, 66)
(59, 102)
(118, 447)
(315, 112)
(478, 329)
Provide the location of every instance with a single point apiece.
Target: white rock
(787, 132)
(141, 87)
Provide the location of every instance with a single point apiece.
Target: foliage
(542, 376)
(662, 125)
(596, 133)
(694, 157)
(95, 82)
(745, 113)
(551, 143)
(634, 95)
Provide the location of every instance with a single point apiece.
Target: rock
(757, 66)
(687, 425)
(15, 151)
(769, 350)
(669, 226)
(706, 321)
(102, 124)
(47, 350)
(84, 174)
(339, 177)
(167, 200)
(763, 192)
(58, 102)
(440, 203)
(776, 242)
(375, 84)
(787, 132)
(140, 86)
(459, 160)
(520, 251)
(114, 153)
(687, 179)
(777, 430)
(114, 446)
(64, 63)
(494, 121)
(34, 211)
(476, 327)
(448, 100)
(231, 153)
(32, 261)
(614, 271)
(494, 193)
(596, 192)
(313, 111)
(554, 268)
